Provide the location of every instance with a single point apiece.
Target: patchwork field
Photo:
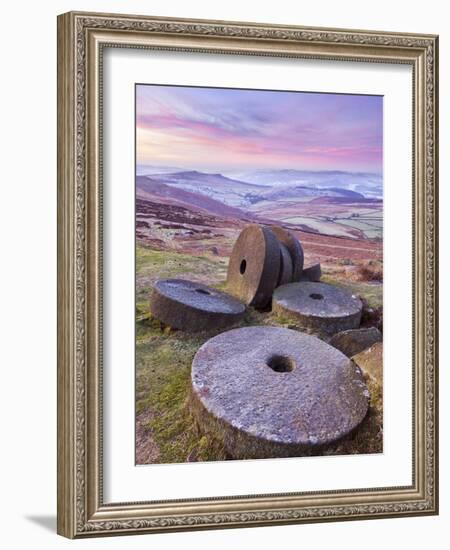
(327, 216)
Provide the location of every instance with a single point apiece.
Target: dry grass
(369, 273)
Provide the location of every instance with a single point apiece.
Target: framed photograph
(247, 282)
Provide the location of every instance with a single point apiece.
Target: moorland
(186, 224)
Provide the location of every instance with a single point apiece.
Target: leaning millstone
(191, 306)
(312, 273)
(291, 242)
(318, 306)
(286, 269)
(273, 392)
(351, 342)
(254, 266)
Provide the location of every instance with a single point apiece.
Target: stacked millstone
(274, 392)
(266, 269)
(262, 259)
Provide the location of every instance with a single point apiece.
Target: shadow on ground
(46, 522)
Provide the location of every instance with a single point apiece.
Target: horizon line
(219, 170)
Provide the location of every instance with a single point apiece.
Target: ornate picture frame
(82, 37)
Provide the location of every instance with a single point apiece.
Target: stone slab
(275, 392)
(313, 273)
(318, 306)
(192, 306)
(351, 342)
(370, 361)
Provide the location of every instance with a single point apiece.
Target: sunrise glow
(226, 129)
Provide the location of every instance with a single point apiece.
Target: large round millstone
(275, 392)
(318, 306)
(291, 242)
(191, 306)
(254, 266)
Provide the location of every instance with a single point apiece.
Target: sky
(218, 129)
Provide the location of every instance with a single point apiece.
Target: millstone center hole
(281, 363)
(315, 296)
(243, 267)
(201, 291)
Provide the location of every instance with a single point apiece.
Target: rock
(254, 266)
(191, 306)
(215, 250)
(285, 275)
(370, 361)
(312, 273)
(318, 306)
(273, 392)
(290, 241)
(351, 342)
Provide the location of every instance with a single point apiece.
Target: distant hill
(216, 186)
(347, 200)
(301, 191)
(203, 178)
(148, 169)
(153, 189)
(196, 198)
(366, 183)
(275, 185)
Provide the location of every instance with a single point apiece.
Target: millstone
(295, 249)
(286, 270)
(274, 392)
(318, 306)
(191, 306)
(254, 266)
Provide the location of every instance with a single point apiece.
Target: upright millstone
(294, 247)
(273, 392)
(193, 307)
(254, 266)
(318, 306)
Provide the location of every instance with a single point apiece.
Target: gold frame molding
(81, 37)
